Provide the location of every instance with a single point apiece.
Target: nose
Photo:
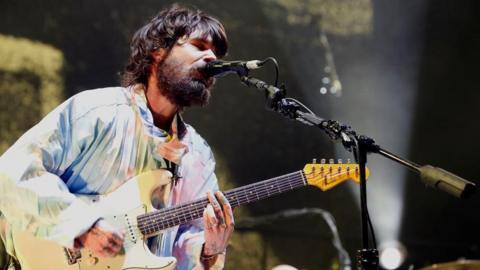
(209, 56)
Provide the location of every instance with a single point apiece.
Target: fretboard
(154, 222)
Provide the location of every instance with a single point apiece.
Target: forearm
(44, 207)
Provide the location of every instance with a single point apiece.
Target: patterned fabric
(91, 144)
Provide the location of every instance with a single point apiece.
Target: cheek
(186, 54)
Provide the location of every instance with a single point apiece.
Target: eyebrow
(205, 43)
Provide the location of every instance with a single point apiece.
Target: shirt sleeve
(188, 247)
(190, 237)
(33, 196)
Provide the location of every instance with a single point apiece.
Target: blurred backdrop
(402, 72)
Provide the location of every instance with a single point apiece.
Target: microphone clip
(274, 95)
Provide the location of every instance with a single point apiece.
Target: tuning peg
(340, 161)
(331, 161)
(314, 161)
(349, 161)
(323, 161)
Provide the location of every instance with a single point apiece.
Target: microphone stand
(360, 145)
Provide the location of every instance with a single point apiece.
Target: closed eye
(202, 45)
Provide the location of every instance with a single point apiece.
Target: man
(95, 141)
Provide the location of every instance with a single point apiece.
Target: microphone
(221, 68)
(446, 181)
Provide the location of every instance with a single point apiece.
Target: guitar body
(121, 209)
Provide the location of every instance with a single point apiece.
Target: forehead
(213, 37)
(200, 36)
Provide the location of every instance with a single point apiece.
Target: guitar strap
(173, 168)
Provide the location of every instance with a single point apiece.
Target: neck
(162, 109)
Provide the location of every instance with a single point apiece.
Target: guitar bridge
(72, 255)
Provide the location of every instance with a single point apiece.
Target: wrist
(207, 255)
(208, 251)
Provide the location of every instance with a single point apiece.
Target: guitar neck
(153, 223)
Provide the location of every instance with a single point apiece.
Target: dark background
(410, 82)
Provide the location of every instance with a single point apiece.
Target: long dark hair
(163, 31)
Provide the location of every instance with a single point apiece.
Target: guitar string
(153, 228)
(184, 213)
(167, 221)
(259, 191)
(264, 189)
(235, 190)
(199, 205)
(174, 220)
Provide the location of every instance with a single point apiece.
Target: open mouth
(199, 76)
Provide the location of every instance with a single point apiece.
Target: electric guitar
(130, 207)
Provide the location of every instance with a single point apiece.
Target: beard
(183, 88)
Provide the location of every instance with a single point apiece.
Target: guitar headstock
(328, 175)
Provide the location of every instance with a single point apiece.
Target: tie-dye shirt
(91, 144)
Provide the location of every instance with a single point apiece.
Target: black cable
(372, 231)
(364, 205)
(274, 61)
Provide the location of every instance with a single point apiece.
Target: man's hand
(219, 224)
(102, 239)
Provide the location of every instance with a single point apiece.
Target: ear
(159, 55)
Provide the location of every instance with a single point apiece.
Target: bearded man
(98, 139)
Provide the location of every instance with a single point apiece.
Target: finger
(227, 209)
(108, 243)
(206, 222)
(217, 209)
(209, 217)
(100, 250)
(116, 248)
(118, 237)
(102, 247)
(115, 243)
(109, 251)
(101, 253)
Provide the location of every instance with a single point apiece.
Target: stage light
(392, 255)
(284, 267)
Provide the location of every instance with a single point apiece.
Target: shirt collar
(140, 100)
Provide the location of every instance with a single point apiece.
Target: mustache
(198, 75)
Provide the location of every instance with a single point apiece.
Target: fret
(182, 218)
(192, 213)
(267, 187)
(175, 219)
(166, 221)
(278, 189)
(254, 192)
(154, 222)
(245, 196)
(304, 181)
